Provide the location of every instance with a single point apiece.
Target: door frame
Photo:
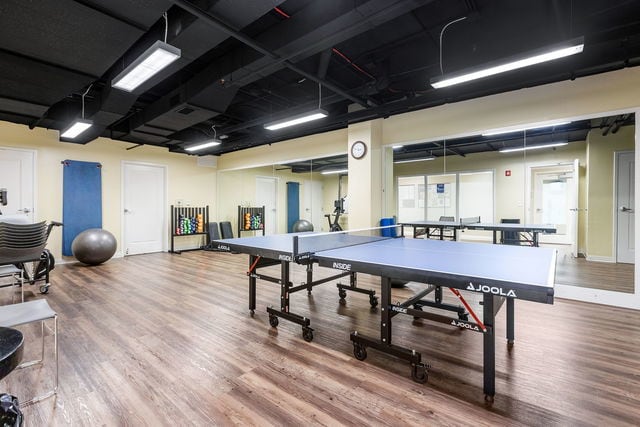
(276, 182)
(616, 156)
(165, 196)
(34, 176)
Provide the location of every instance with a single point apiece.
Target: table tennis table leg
(510, 322)
(252, 286)
(489, 348)
(495, 236)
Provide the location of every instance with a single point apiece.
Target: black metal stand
(491, 305)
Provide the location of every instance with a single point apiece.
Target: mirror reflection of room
(576, 176)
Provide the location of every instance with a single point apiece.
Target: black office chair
(225, 230)
(510, 237)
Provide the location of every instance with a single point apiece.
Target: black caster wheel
(419, 308)
(463, 316)
(419, 373)
(359, 351)
(252, 312)
(509, 345)
(488, 399)
(342, 294)
(307, 334)
(373, 300)
(273, 320)
(44, 289)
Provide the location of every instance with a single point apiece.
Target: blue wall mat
(293, 204)
(81, 200)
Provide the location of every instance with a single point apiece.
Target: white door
(17, 168)
(312, 209)
(266, 195)
(625, 198)
(144, 208)
(555, 201)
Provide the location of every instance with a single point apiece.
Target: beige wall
(186, 181)
(601, 190)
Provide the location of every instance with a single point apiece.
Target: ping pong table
(431, 228)
(500, 273)
(279, 249)
(532, 231)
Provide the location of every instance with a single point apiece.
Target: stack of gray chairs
(21, 246)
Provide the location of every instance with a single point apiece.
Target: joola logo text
(460, 324)
(224, 248)
(491, 290)
(342, 266)
(284, 257)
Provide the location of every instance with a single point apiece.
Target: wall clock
(358, 149)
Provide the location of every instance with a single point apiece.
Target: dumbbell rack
(253, 212)
(188, 212)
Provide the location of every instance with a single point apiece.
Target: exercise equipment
(339, 210)
(302, 225)
(94, 246)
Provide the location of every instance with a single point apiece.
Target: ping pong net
(305, 245)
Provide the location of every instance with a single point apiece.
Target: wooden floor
(610, 276)
(165, 339)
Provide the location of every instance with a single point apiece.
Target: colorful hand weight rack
(189, 221)
(250, 219)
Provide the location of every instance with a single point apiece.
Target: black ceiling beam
(219, 25)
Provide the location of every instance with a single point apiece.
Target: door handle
(625, 209)
(127, 211)
(25, 210)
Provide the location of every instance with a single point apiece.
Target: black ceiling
(248, 62)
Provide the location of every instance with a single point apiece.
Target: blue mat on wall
(81, 200)
(293, 204)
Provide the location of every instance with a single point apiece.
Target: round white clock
(358, 149)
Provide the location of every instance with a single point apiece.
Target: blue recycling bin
(388, 232)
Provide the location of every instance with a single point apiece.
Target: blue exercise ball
(302, 225)
(94, 246)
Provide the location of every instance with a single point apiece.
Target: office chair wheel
(419, 308)
(307, 334)
(44, 289)
(373, 300)
(419, 373)
(359, 351)
(463, 316)
(273, 320)
(342, 293)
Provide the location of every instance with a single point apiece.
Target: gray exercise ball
(94, 246)
(302, 225)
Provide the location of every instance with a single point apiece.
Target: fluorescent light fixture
(76, 128)
(203, 145)
(334, 171)
(424, 159)
(395, 147)
(297, 119)
(550, 53)
(533, 147)
(157, 57)
(522, 129)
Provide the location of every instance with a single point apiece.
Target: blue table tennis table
(532, 231)
(500, 273)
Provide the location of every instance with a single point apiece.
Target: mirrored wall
(575, 175)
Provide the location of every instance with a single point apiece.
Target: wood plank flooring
(161, 339)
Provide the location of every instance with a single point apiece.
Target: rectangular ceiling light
(76, 128)
(423, 159)
(157, 57)
(297, 119)
(522, 129)
(533, 147)
(335, 171)
(203, 145)
(550, 53)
